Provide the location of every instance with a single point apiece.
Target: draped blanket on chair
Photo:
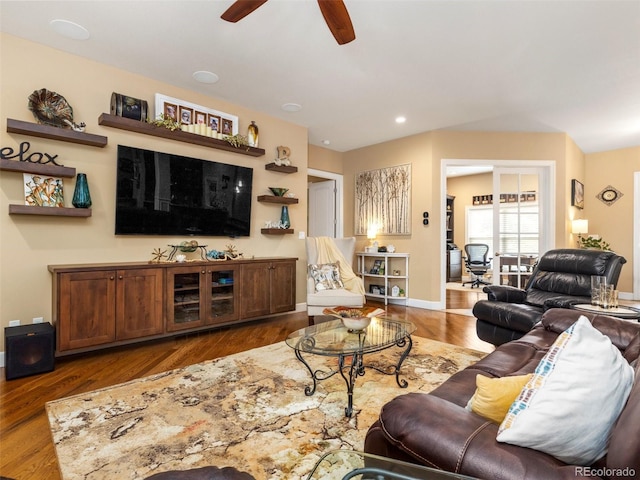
(329, 253)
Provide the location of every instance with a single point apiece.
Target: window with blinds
(519, 227)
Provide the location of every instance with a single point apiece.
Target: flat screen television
(165, 194)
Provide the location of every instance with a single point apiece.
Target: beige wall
(30, 243)
(426, 151)
(325, 159)
(613, 222)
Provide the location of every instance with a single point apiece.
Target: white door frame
(339, 179)
(636, 236)
(548, 189)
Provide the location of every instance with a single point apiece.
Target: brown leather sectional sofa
(436, 430)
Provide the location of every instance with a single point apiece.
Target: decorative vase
(81, 195)
(252, 134)
(284, 217)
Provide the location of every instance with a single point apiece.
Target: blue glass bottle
(284, 217)
(81, 195)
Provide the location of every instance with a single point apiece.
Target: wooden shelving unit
(136, 126)
(276, 199)
(49, 211)
(55, 133)
(280, 168)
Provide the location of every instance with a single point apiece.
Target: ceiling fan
(334, 12)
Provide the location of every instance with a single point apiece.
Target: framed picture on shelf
(42, 191)
(375, 270)
(193, 114)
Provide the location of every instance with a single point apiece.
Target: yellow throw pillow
(494, 396)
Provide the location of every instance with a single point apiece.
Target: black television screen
(165, 194)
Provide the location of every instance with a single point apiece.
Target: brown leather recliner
(561, 278)
(436, 430)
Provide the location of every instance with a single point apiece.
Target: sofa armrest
(440, 434)
(505, 293)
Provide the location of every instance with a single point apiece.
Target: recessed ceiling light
(69, 29)
(400, 119)
(291, 107)
(203, 76)
(326, 142)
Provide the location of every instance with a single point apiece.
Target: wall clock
(609, 195)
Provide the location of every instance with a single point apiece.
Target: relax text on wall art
(383, 198)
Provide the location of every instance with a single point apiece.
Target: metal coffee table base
(355, 369)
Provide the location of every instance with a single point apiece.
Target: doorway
(544, 174)
(324, 204)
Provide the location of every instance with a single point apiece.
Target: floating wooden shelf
(280, 168)
(51, 211)
(123, 123)
(276, 231)
(276, 199)
(55, 133)
(41, 168)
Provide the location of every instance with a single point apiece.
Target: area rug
(247, 410)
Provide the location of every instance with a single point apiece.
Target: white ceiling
(495, 65)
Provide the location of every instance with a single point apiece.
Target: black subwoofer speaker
(29, 349)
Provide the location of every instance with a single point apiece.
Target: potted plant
(593, 243)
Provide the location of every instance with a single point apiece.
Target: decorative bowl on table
(278, 192)
(354, 319)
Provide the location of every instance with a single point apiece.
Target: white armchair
(323, 250)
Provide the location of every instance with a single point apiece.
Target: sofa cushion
(326, 276)
(494, 396)
(576, 394)
(331, 298)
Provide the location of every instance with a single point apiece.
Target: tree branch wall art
(383, 198)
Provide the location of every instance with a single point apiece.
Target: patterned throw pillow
(326, 276)
(574, 398)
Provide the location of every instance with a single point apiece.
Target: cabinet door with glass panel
(201, 295)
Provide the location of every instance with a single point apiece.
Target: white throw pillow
(574, 398)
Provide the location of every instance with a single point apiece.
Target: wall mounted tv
(165, 194)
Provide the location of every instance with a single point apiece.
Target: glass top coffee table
(349, 464)
(621, 311)
(333, 339)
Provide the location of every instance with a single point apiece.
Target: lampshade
(372, 231)
(580, 226)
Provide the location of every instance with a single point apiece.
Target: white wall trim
(636, 236)
(339, 179)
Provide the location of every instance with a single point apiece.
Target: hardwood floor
(26, 448)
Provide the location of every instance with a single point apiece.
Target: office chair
(477, 263)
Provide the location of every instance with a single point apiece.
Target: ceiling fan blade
(337, 17)
(240, 9)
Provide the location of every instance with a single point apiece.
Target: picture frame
(170, 110)
(43, 191)
(193, 114)
(186, 115)
(200, 118)
(375, 269)
(577, 194)
(383, 198)
(214, 122)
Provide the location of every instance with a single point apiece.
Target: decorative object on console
(51, 108)
(129, 107)
(609, 195)
(43, 191)
(577, 194)
(252, 134)
(81, 195)
(593, 242)
(158, 255)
